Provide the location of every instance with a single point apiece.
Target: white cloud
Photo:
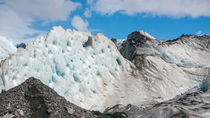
(87, 13)
(13, 25)
(90, 2)
(44, 9)
(17, 16)
(89, 9)
(79, 23)
(172, 8)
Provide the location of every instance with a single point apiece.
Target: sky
(23, 20)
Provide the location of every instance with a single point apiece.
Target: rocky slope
(192, 104)
(33, 99)
(175, 65)
(89, 71)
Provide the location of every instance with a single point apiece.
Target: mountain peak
(142, 35)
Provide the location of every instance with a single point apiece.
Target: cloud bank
(171, 8)
(17, 16)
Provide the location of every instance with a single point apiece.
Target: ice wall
(82, 67)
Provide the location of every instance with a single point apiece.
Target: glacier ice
(82, 67)
(89, 71)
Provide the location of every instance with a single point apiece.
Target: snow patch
(146, 34)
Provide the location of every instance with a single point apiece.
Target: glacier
(94, 73)
(84, 68)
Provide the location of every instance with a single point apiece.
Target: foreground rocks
(32, 99)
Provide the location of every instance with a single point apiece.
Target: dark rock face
(88, 43)
(114, 40)
(36, 102)
(22, 45)
(137, 46)
(32, 99)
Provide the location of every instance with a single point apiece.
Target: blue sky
(21, 20)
